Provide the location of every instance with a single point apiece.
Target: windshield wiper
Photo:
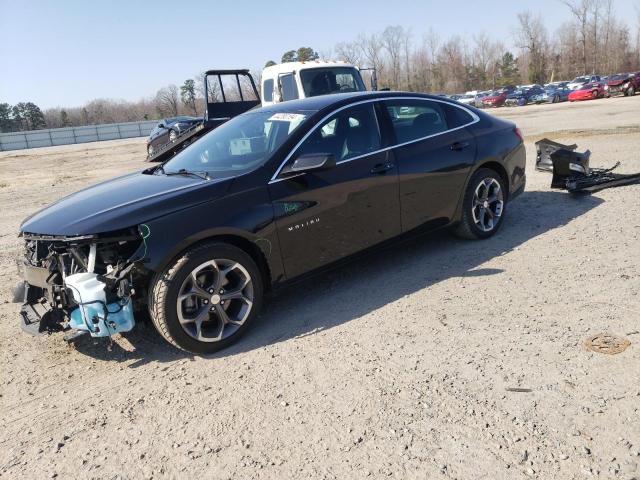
(184, 171)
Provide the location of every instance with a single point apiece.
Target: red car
(625, 83)
(589, 91)
(495, 99)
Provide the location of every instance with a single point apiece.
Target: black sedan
(273, 194)
(168, 130)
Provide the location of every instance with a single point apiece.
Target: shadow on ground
(366, 284)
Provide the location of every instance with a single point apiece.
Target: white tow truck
(229, 93)
(293, 80)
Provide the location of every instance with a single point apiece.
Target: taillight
(518, 133)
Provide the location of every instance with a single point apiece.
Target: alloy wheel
(488, 203)
(215, 300)
(172, 136)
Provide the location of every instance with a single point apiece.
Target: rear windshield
(322, 81)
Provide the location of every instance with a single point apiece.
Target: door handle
(382, 168)
(457, 146)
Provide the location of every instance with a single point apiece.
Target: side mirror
(161, 125)
(311, 162)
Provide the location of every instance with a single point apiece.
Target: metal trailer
(216, 112)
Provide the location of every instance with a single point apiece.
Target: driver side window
(350, 133)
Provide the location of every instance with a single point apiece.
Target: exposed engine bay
(82, 284)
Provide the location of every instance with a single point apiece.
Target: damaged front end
(82, 283)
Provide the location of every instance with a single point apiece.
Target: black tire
(467, 227)
(165, 289)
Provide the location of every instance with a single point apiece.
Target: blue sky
(66, 52)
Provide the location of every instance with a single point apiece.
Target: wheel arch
(496, 167)
(243, 243)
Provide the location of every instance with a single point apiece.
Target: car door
(326, 215)
(434, 153)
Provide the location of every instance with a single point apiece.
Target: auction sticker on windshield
(287, 117)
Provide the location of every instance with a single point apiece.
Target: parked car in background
(495, 99)
(588, 91)
(625, 83)
(168, 130)
(480, 96)
(467, 99)
(523, 95)
(578, 82)
(553, 94)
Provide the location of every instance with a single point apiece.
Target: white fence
(69, 135)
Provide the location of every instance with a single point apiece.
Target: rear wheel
(172, 135)
(150, 150)
(556, 98)
(594, 94)
(631, 91)
(483, 205)
(207, 298)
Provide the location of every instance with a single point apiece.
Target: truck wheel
(206, 299)
(483, 206)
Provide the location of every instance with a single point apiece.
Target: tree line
(592, 40)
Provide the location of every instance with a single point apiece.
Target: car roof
(338, 99)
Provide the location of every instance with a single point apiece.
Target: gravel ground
(400, 365)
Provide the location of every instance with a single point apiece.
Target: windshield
(322, 81)
(580, 79)
(238, 146)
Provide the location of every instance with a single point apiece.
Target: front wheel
(631, 91)
(483, 206)
(172, 135)
(206, 299)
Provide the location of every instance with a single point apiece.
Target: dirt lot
(396, 366)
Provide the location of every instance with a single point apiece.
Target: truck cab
(293, 80)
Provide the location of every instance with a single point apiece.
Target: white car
(467, 99)
(577, 82)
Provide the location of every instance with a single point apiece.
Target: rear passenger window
(415, 119)
(456, 116)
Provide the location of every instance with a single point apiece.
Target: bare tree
(168, 100)
(392, 39)
(371, 48)
(531, 37)
(350, 52)
(580, 11)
